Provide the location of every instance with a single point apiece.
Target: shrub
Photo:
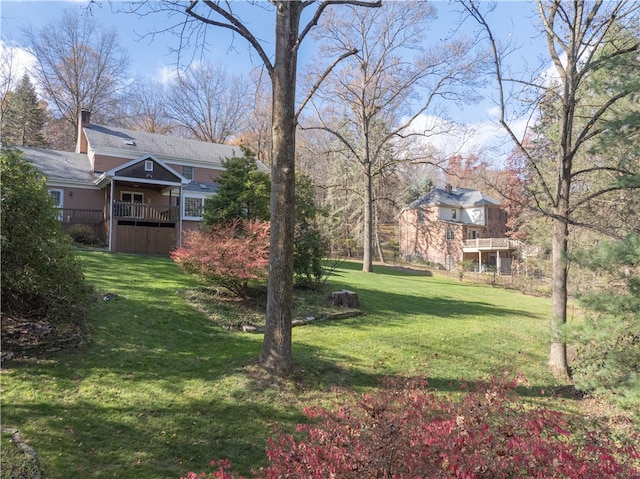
(229, 255)
(84, 235)
(405, 431)
(464, 267)
(41, 277)
(311, 245)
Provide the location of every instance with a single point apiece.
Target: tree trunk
(367, 257)
(276, 347)
(376, 234)
(558, 361)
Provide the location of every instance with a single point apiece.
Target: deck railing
(140, 211)
(491, 243)
(82, 217)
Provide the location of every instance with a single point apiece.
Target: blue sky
(513, 21)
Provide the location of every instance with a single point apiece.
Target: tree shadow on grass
(91, 416)
(130, 404)
(86, 440)
(396, 305)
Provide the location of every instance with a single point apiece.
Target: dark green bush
(84, 235)
(311, 243)
(40, 276)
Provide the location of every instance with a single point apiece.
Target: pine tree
(608, 353)
(243, 192)
(25, 118)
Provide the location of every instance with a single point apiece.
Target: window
(187, 172)
(193, 207)
(129, 197)
(58, 197)
(148, 165)
(134, 208)
(450, 234)
(454, 214)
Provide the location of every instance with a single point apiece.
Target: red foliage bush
(405, 431)
(229, 255)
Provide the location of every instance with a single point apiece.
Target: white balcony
(489, 244)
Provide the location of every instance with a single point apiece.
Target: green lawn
(161, 390)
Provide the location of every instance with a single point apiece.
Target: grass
(161, 389)
(14, 463)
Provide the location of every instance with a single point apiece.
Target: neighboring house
(138, 191)
(451, 225)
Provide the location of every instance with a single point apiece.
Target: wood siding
(141, 237)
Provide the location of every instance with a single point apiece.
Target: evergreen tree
(25, 117)
(608, 356)
(243, 192)
(418, 189)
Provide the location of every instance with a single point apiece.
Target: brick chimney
(84, 120)
(448, 188)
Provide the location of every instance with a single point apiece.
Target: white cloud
(16, 61)
(487, 139)
(165, 75)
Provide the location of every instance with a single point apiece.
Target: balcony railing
(491, 244)
(141, 211)
(78, 216)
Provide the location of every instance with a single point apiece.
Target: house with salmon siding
(137, 191)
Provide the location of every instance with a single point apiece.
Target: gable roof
(458, 198)
(103, 139)
(61, 167)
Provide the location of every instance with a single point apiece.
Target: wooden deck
(489, 244)
(144, 212)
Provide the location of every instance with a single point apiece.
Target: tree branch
(234, 25)
(314, 21)
(322, 78)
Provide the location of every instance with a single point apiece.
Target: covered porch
(490, 254)
(142, 207)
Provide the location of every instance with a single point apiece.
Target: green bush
(40, 276)
(311, 245)
(84, 235)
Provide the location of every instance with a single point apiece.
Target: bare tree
(8, 80)
(257, 129)
(370, 102)
(145, 108)
(79, 65)
(585, 40)
(282, 69)
(207, 102)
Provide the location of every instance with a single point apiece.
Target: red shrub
(229, 255)
(404, 431)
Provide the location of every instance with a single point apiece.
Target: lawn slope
(161, 390)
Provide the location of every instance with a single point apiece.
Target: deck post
(180, 202)
(111, 215)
